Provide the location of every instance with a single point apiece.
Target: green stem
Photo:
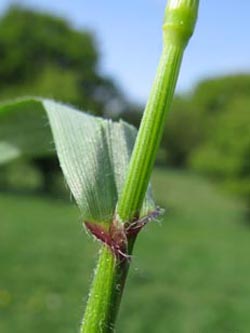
(106, 292)
(178, 27)
(110, 276)
(102, 303)
(150, 134)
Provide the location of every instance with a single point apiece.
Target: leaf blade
(93, 152)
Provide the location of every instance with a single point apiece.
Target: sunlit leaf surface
(93, 152)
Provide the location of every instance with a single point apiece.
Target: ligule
(118, 235)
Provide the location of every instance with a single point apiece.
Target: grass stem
(105, 295)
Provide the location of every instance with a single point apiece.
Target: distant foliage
(215, 95)
(43, 55)
(182, 133)
(209, 132)
(224, 153)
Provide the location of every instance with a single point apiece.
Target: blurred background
(191, 272)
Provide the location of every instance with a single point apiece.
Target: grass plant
(106, 165)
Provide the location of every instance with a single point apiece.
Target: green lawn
(190, 272)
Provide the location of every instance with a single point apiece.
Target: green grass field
(190, 272)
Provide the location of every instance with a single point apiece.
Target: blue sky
(129, 38)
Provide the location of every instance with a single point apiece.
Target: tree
(226, 153)
(182, 132)
(43, 55)
(214, 95)
(194, 117)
